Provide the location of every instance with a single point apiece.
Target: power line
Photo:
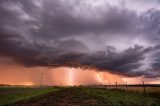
(41, 79)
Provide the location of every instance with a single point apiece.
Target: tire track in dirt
(64, 97)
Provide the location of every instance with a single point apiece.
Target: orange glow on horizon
(62, 76)
(138, 80)
(109, 79)
(27, 84)
(78, 76)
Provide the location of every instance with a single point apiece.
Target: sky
(118, 38)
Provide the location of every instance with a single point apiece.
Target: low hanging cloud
(81, 34)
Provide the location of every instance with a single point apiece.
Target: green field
(118, 97)
(79, 96)
(9, 95)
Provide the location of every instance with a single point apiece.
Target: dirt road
(65, 97)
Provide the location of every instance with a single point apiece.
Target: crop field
(79, 96)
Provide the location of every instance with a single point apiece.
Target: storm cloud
(109, 36)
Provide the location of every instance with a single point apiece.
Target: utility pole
(41, 79)
(109, 83)
(144, 89)
(116, 84)
(126, 85)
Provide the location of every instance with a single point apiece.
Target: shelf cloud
(98, 34)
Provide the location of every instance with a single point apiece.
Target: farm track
(64, 97)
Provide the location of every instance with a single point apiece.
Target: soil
(64, 97)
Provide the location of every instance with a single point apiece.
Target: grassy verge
(14, 94)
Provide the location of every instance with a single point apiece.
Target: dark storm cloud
(122, 63)
(55, 21)
(151, 24)
(46, 32)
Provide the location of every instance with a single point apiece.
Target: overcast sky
(122, 36)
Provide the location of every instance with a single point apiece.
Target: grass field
(140, 89)
(79, 96)
(118, 97)
(13, 94)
